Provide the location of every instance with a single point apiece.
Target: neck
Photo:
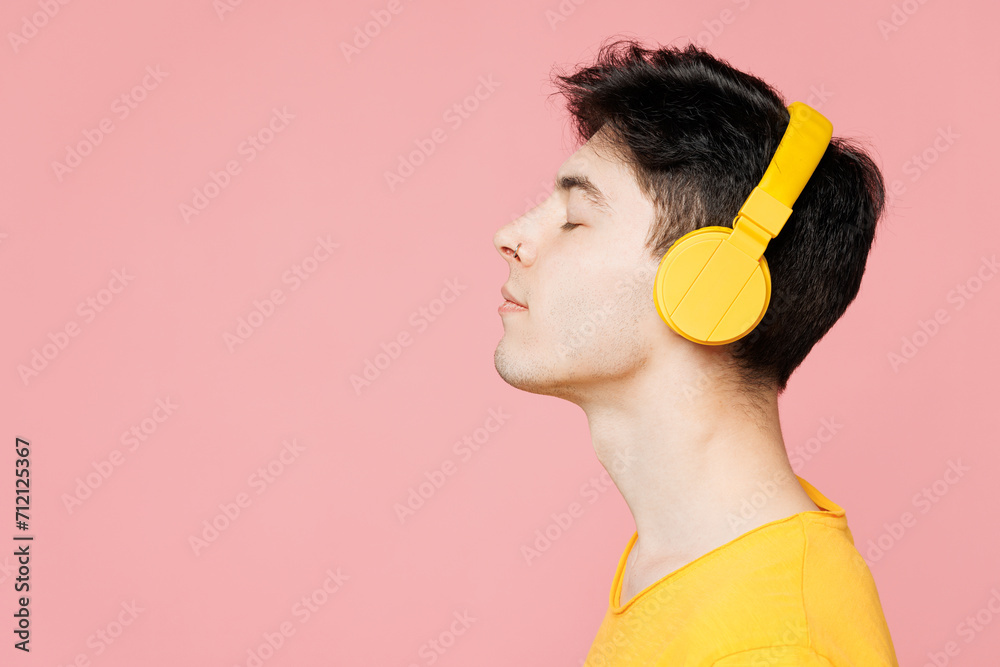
(688, 457)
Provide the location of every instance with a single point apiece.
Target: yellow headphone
(713, 285)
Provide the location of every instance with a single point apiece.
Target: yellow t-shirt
(794, 591)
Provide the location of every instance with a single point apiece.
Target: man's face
(588, 289)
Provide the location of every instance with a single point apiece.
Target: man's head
(676, 139)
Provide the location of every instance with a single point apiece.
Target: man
(676, 140)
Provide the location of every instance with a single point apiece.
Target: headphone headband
(798, 154)
(769, 205)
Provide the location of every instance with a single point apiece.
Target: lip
(511, 307)
(510, 298)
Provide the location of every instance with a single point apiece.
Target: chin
(529, 375)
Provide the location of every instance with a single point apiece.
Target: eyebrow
(585, 185)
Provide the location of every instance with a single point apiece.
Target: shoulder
(775, 656)
(833, 570)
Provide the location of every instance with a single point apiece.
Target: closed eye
(569, 225)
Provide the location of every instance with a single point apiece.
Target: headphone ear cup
(682, 265)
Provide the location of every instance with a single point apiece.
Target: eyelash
(569, 225)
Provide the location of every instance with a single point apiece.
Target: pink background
(321, 174)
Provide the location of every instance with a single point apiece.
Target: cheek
(599, 308)
(631, 295)
(604, 294)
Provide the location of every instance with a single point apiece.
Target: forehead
(597, 161)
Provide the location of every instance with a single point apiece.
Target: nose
(517, 241)
(504, 242)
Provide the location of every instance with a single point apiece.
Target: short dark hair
(698, 135)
